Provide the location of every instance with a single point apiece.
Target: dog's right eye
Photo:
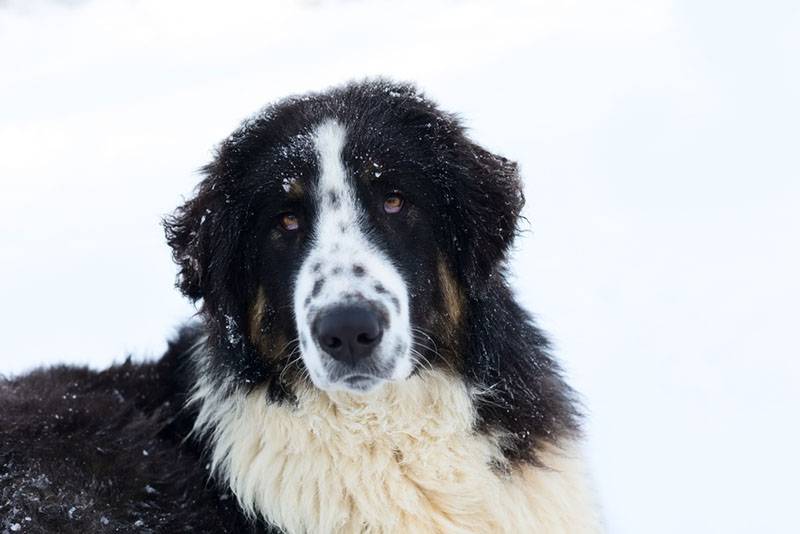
(289, 221)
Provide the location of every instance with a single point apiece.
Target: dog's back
(86, 451)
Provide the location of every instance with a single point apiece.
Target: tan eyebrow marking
(293, 188)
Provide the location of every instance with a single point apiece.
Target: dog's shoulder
(105, 451)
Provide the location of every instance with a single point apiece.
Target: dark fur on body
(72, 440)
(86, 451)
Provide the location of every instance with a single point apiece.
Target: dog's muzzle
(348, 333)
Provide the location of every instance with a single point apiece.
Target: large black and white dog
(360, 364)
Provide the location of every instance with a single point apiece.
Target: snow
(659, 145)
(232, 330)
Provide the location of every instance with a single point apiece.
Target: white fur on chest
(402, 459)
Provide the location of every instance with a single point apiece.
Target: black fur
(84, 451)
(72, 441)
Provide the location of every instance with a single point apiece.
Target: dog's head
(347, 230)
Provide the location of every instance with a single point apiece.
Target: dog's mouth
(358, 379)
(361, 383)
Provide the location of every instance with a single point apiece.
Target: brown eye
(393, 203)
(290, 222)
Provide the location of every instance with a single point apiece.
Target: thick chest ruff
(406, 458)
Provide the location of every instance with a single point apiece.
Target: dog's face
(342, 236)
(351, 300)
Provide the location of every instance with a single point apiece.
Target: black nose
(348, 333)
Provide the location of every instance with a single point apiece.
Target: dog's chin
(356, 383)
(360, 381)
(359, 384)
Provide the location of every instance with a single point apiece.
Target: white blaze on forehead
(335, 195)
(329, 141)
(343, 265)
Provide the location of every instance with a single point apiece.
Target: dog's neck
(405, 458)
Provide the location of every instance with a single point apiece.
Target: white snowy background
(659, 141)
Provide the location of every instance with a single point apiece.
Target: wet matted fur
(456, 419)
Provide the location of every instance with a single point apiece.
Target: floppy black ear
(204, 233)
(198, 231)
(184, 229)
(491, 201)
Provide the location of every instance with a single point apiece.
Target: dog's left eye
(393, 203)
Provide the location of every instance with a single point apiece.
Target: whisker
(416, 332)
(290, 364)
(419, 331)
(419, 358)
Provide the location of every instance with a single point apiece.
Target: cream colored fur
(404, 458)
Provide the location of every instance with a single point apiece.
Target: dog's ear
(183, 231)
(189, 231)
(204, 235)
(490, 201)
(495, 201)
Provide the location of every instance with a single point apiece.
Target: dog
(359, 362)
